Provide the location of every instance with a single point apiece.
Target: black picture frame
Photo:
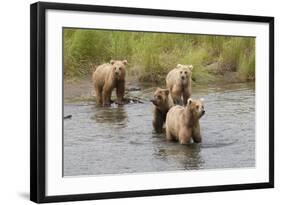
(38, 101)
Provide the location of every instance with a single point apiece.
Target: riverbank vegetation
(152, 55)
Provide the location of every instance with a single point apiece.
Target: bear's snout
(153, 101)
(202, 113)
(182, 77)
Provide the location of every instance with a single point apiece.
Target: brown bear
(178, 81)
(182, 123)
(107, 77)
(162, 103)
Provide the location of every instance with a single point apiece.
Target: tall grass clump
(238, 55)
(152, 55)
(246, 67)
(82, 49)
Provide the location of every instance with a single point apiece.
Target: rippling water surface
(120, 139)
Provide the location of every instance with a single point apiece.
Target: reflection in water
(120, 139)
(187, 156)
(110, 115)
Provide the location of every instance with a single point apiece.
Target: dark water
(120, 139)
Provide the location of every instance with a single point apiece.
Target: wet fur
(182, 123)
(160, 109)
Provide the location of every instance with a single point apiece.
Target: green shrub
(154, 54)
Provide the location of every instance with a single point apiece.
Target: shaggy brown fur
(162, 103)
(178, 81)
(107, 77)
(182, 123)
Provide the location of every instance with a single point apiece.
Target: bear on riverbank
(162, 103)
(182, 123)
(107, 77)
(178, 82)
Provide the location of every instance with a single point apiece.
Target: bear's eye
(159, 97)
(180, 72)
(114, 68)
(202, 107)
(185, 72)
(197, 106)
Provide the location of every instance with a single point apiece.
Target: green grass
(152, 55)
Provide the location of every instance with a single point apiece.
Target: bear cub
(182, 123)
(162, 103)
(107, 77)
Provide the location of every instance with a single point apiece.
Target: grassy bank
(152, 55)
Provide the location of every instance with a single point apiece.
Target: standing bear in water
(178, 81)
(107, 77)
(162, 103)
(182, 123)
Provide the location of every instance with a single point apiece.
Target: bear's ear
(125, 62)
(179, 65)
(112, 62)
(189, 101)
(166, 92)
(190, 67)
(157, 89)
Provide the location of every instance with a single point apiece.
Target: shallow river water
(120, 139)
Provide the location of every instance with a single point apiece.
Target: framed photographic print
(129, 102)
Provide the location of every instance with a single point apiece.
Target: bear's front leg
(176, 95)
(98, 93)
(120, 91)
(196, 135)
(186, 96)
(106, 96)
(185, 135)
(169, 136)
(158, 120)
